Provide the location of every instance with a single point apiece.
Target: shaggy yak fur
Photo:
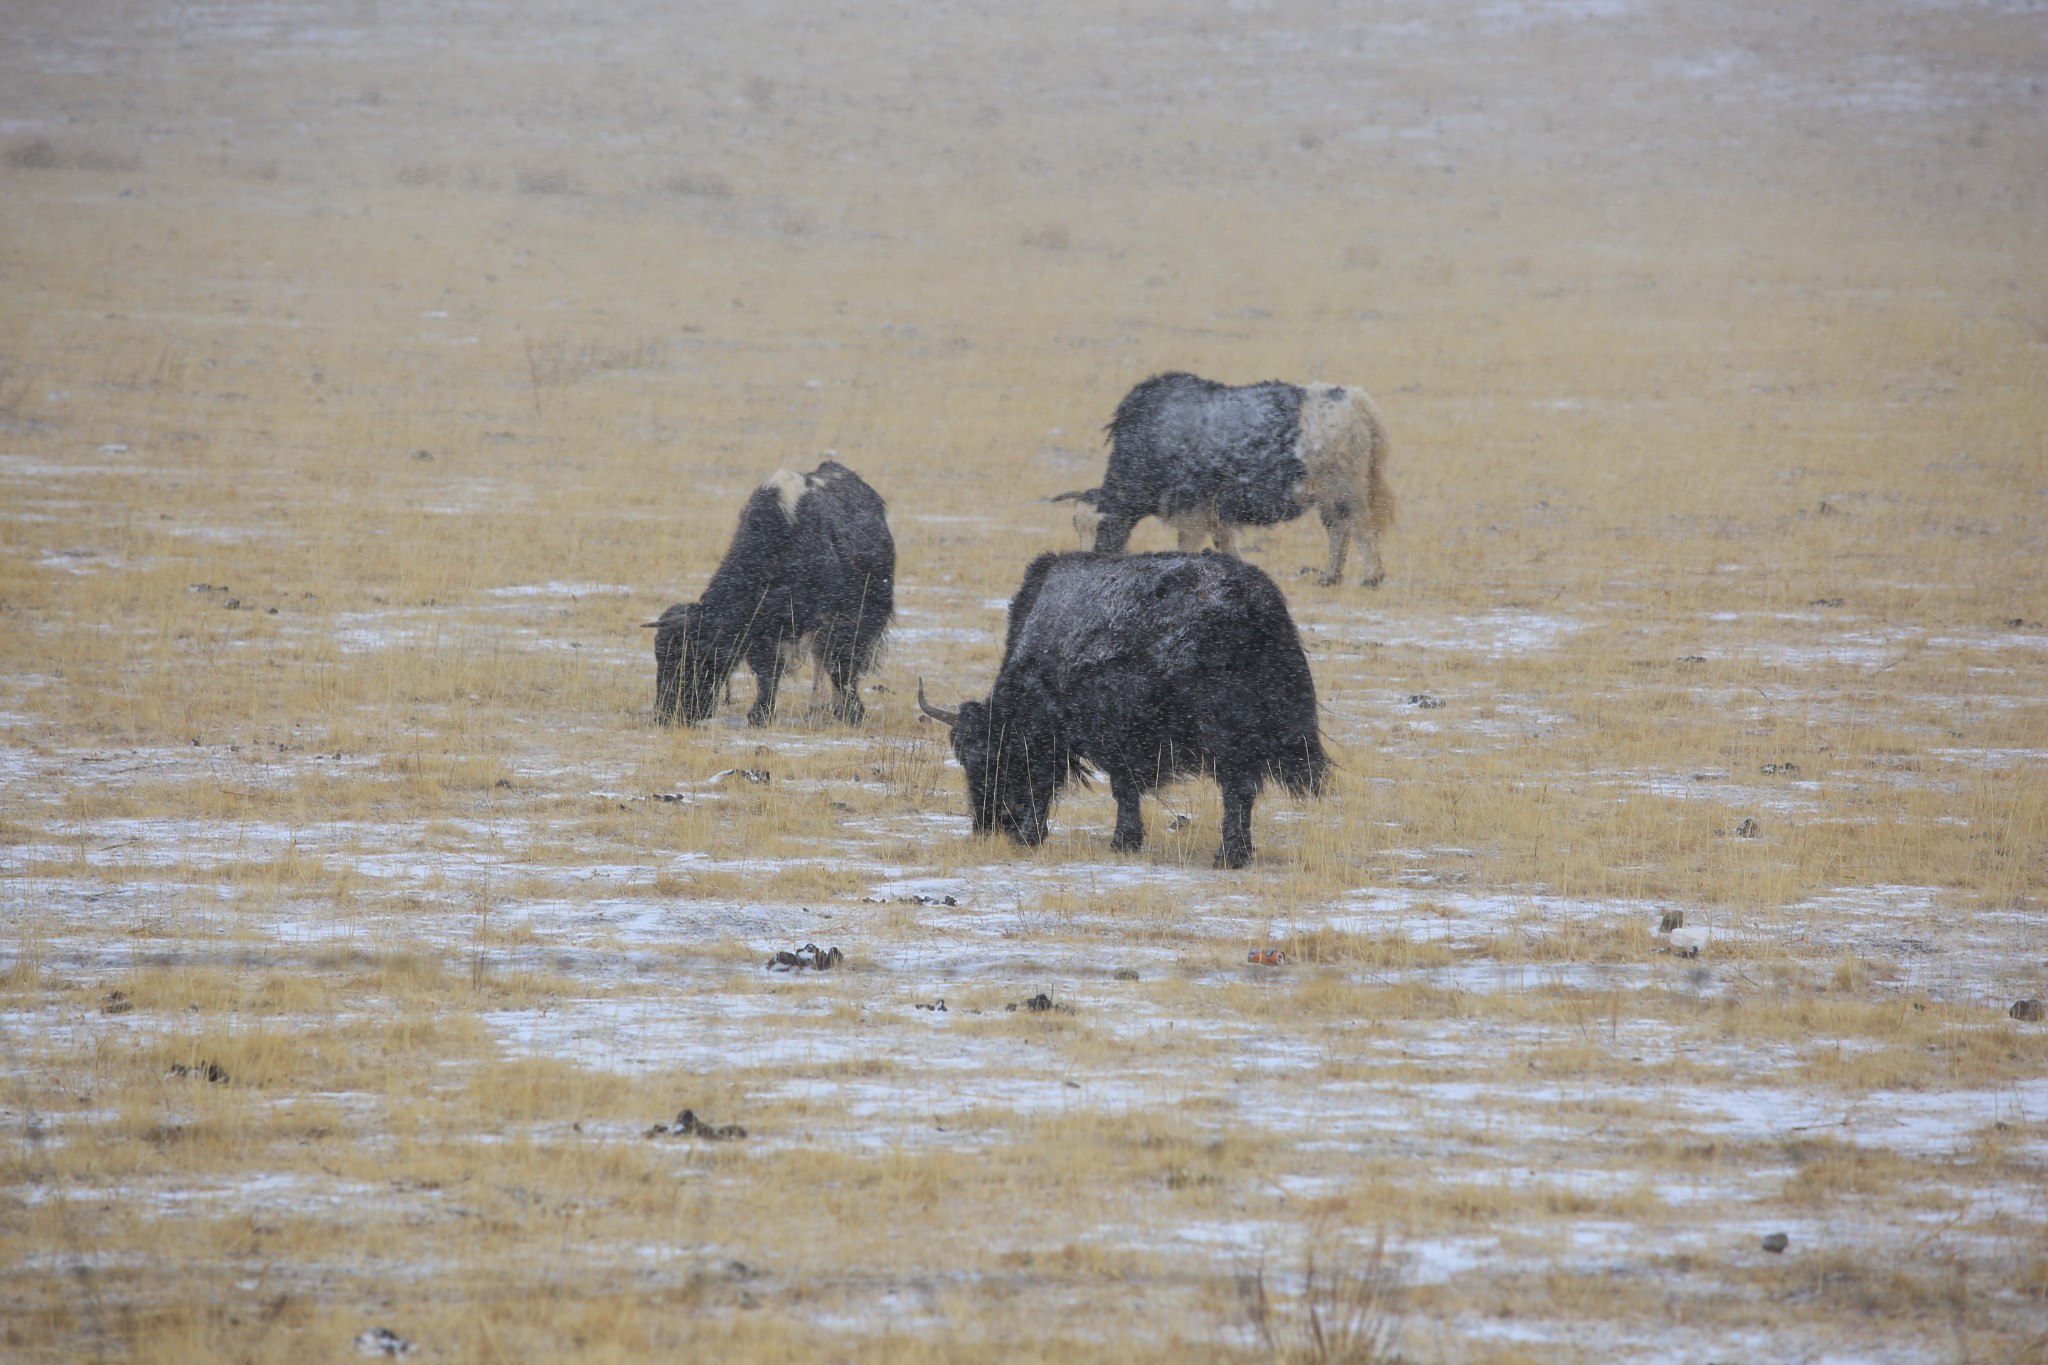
(811, 573)
(1206, 459)
(1149, 667)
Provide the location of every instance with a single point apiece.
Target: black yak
(1149, 667)
(811, 572)
(1206, 459)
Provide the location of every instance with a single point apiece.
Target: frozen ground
(1536, 1071)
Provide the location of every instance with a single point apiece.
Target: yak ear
(681, 614)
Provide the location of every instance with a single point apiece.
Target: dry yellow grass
(368, 375)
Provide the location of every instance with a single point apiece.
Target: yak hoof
(1324, 580)
(1233, 858)
(1372, 581)
(1126, 843)
(852, 712)
(758, 717)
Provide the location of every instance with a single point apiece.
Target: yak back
(1179, 443)
(810, 547)
(1162, 665)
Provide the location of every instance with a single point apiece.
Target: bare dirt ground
(370, 371)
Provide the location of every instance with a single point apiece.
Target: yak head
(1012, 771)
(1087, 513)
(690, 665)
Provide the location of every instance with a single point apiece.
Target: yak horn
(951, 718)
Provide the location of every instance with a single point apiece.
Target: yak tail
(1379, 494)
(1303, 768)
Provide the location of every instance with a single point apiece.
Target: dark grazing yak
(1149, 667)
(811, 573)
(1206, 459)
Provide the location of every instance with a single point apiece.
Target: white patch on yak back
(1334, 430)
(789, 491)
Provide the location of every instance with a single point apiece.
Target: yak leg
(1238, 795)
(1343, 521)
(766, 661)
(1369, 548)
(1192, 528)
(846, 704)
(1113, 532)
(836, 654)
(1224, 534)
(1130, 821)
(1339, 522)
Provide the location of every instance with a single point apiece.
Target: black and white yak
(1206, 459)
(811, 573)
(1149, 667)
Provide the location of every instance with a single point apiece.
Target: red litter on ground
(1266, 957)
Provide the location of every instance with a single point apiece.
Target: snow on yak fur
(811, 573)
(1206, 459)
(1149, 667)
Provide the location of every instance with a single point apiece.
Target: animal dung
(1266, 957)
(1125, 974)
(760, 776)
(117, 1003)
(936, 1007)
(1749, 828)
(211, 1072)
(1040, 1004)
(687, 1124)
(810, 957)
(1424, 700)
(383, 1344)
(1776, 1242)
(2030, 1011)
(1773, 769)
